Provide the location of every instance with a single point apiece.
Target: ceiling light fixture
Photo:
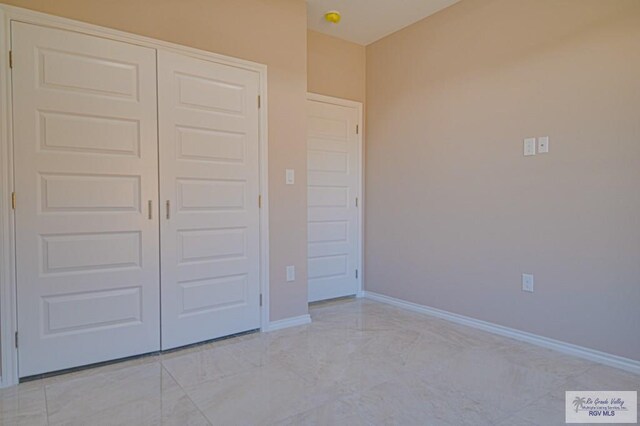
(332, 16)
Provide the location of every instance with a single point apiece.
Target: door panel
(85, 147)
(333, 229)
(209, 174)
(65, 132)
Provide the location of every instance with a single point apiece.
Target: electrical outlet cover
(527, 282)
(291, 273)
(530, 146)
(543, 144)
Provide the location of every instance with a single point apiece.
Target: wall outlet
(527, 282)
(543, 144)
(291, 273)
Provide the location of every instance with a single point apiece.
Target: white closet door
(85, 140)
(209, 180)
(333, 170)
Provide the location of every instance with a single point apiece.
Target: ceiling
(365, 21)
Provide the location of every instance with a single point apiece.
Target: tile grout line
(186, 393)
(46, 403)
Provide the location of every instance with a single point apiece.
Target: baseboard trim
(557, 345)
(289, 322)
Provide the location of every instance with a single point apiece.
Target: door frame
(8, 289)
(316, 97)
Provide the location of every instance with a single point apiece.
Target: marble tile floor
(359, 363)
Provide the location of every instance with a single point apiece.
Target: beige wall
(455, 212)
(335, 67)
(272, 32)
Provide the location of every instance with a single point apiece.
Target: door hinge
(261, 299)
(357, 129)
(16, 337)
(13, 200)
(11, 59)
(258, 101)
(356, 274)
(356, 201)
(259, 201)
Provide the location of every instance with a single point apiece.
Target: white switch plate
(543, 144)
(291, 273)
(530, 146)
(290, 176)
(527, 282)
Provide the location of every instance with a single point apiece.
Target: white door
(85, 152)
(333, 185)
(209, 180)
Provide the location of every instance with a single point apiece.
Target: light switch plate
(527, 282)
(543, 144)
(291, 273)
(530, 146)
(290, 176)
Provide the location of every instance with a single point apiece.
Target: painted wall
(252, 30)
(456, 213)
(335, 67)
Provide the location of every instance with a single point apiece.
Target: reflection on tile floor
(359, 362)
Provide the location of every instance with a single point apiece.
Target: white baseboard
(611, 360)
(289, 322)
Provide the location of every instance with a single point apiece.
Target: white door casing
(209, 184)
(333, 164)
(85, 153)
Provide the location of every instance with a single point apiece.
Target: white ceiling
(365, 21)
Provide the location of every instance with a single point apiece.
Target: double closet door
(136, 179)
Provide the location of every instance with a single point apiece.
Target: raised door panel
(66, 192)
(210, 145)
(81, 71)
(209, 171)
(211, 194)
(85, 148)
(67, 132)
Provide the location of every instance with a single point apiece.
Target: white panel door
(209, 180)
(333, 182)
(85, 147)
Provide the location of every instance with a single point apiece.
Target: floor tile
(261, 395)
(141, 395)
(23, 405)
(335, 412)
(408, 400)
(204, 365)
